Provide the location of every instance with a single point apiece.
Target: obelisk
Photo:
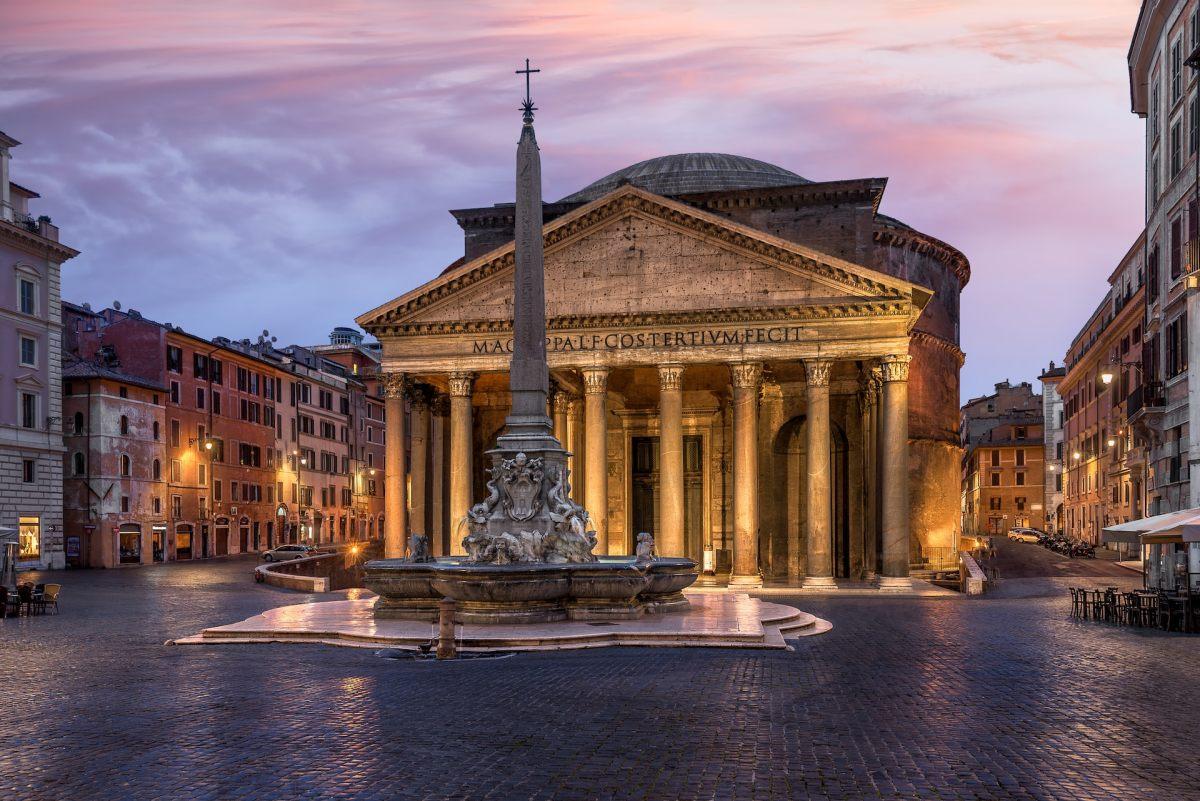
(528, 426)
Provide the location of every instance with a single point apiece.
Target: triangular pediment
(632, 253)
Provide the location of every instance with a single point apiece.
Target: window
(1176, 71)
(156, 506)
(994, 504)
(1020, 457)
(29, 410)
(1020, 504)
(995, 458)
(174, 433)
(175, 392)
(155, 428)
(995, 479)
(1020, 479)
(200, 366)
(78, 464)
(249, 455)
(216, 402)
(1058, 449)
(177, 506)
(1152, 274)
(124, 426)
(217, 490)
(29, 534)
(202, 474)
(1193, 126)
(28, 470)
(176, 471)
(1176, 147)
(28, 292)
(199, 397)
(126, 465)
(123, 392)
(28, 352)
(1155, 98)
(1154, 179)
(174, 360)
(124, 503)
(1058, 482)
(1176, 247)
(1020, 432)
(77, 423)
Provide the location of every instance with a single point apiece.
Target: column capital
(895, 367)
(670, 377)
(562, 402)
(746, 375)
(595, 380)
(461, 383)
(394, 385)
(816, 372)
(420, 396)
(440, 405)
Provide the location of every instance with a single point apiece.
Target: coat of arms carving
(521, 478)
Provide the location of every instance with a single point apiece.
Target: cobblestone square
(997, 698)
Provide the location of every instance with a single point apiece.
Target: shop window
(29, 536)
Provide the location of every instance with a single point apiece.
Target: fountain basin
(614, 588)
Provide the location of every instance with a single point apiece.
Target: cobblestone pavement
(991, 698)
(1027, 559)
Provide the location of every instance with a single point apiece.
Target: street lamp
(1106, 377)
(1075, 455)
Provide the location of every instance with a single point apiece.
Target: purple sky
(232, 166)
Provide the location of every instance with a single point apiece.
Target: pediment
(632, 254)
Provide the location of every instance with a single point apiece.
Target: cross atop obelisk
(529, 375)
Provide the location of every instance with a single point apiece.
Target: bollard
(445, 648)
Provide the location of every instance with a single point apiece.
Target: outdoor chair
(1147, 609)
(1078, 602)
(1126, 608)
(1168, 612)
(49, 597)
(25, 598)
(1096, 603)
(5, 599)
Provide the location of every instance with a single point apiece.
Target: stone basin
(613, 588)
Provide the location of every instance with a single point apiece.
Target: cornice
(35, 243)
(926, 245)
(940, 343)
(858, 309)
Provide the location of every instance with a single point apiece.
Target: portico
(741, 397)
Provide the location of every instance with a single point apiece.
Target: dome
(685, 173)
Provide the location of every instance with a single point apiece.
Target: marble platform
(714, 620)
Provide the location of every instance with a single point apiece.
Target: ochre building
(759, 369)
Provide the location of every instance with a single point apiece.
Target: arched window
(125, 470)
(124, 426)
(157, 470)
(78, 465)
(78, 422)
(155, 429)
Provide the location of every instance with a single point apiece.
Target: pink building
(31, 443)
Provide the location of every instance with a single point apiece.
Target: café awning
(1135, 532)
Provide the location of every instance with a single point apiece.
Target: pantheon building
(759, 369)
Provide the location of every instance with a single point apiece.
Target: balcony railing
(1145, 396)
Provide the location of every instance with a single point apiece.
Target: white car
(1022, 535)
(286, 552)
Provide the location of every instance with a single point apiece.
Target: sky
(288, 165)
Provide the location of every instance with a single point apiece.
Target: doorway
(131, 544)
(644, 514)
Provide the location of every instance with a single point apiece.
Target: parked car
(286, 552)
(1022, 535)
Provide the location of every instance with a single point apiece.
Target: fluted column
(574, 444)
(419, 519)
(395, 487)
(460, 454)
(746, 379)
(595, 380)
(819, 507)
(669, 541)
(894, 455)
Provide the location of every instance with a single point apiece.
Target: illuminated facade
(713, 322)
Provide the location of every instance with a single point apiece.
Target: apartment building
(1003, 470)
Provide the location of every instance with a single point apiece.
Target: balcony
(40, 226)
(1145, 399)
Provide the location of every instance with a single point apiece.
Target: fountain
(529, 547)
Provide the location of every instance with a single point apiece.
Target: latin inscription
(665, 340)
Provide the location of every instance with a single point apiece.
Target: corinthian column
(395, 488)
(746, 379)
(670, 469)
(561, 405)
(894, 447)
(595, 380)
(574, 444)
(460, 454)
(819, 564)
(419, 439)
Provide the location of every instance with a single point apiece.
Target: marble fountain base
(712, 619)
